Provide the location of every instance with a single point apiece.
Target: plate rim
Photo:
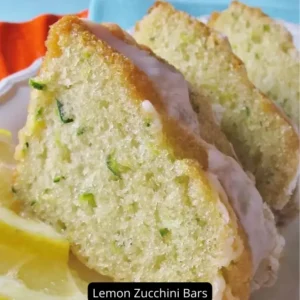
(7, 83)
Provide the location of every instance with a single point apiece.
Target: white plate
(14, 97)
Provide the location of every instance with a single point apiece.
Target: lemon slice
(18, 291)
(34, 261)
(32, 236)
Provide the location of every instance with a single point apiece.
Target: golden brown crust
(237, 276)
(185, 145)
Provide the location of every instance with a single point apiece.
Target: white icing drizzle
(266, 274)
(245, 199)
(219, 286)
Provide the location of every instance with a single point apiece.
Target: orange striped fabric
(22, 43)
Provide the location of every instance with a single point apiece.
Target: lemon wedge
(34, 261)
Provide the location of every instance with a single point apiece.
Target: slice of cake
(265, 141)
(111, 154)
(267, 49)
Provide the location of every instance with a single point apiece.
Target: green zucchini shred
(200, 222)
(88, 198)
(37, 85)
(116, 168)
(164, 232)
(58, 179)
(113, 166)
(62, 116)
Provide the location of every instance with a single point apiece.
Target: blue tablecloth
(24, 10)
(125, 11)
